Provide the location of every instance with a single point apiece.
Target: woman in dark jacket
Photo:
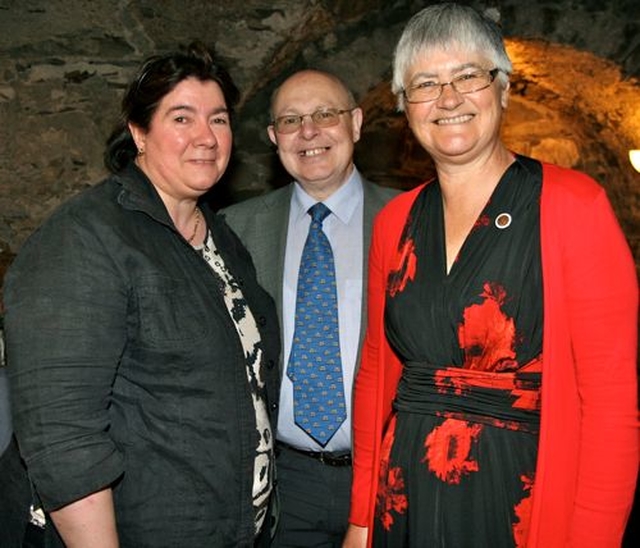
(140, 346)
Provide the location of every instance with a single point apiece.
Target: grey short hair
(443, 26)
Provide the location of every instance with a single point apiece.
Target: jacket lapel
(272, 225)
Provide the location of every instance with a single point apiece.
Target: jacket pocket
(170, 311)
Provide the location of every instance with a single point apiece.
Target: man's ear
(272, 135)
(356, 123)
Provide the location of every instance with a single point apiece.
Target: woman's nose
(206, 134)
(449, 96)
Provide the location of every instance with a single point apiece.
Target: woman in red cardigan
(496, 402)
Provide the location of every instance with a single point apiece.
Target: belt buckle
(330, 460)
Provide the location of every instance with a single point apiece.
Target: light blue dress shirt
(344, 230)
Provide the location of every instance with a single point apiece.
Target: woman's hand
(356, 537)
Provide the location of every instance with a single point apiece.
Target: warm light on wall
(634, 158)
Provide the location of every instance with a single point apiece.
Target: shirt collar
(342, 203)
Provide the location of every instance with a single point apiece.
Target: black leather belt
(325, 457)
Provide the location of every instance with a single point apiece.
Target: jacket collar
(138, 194)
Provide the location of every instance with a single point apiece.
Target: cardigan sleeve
(380, 368)
(602, 302)
(366, 395)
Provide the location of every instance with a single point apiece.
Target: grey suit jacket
(262, 223)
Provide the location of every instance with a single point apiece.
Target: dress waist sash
(503, 399)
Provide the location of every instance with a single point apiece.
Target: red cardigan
(589, 444)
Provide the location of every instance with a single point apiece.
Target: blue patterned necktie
(315, 367)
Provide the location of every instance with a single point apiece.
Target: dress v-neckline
(480, 220)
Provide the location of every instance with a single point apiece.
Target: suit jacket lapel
(272, 223)
(371, 207)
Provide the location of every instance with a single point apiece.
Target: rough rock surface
(64, 63)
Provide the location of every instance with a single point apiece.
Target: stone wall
(64, 64)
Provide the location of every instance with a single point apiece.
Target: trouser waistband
(325, 457)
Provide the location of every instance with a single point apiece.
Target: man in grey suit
(315, 124)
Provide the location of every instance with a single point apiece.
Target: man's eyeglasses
(426, 91)
(326, 117)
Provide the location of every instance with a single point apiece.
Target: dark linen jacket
(126, 368)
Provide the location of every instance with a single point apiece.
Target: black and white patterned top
(251, 343)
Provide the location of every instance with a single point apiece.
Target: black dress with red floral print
(459, 454)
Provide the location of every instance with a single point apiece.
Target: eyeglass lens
(467, 83)
(321, 118)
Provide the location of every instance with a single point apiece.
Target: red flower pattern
(448, 447)
(391, 497)
(487, 335)
(523, 514)
(406, 270)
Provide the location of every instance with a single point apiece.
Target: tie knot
(319, 212)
